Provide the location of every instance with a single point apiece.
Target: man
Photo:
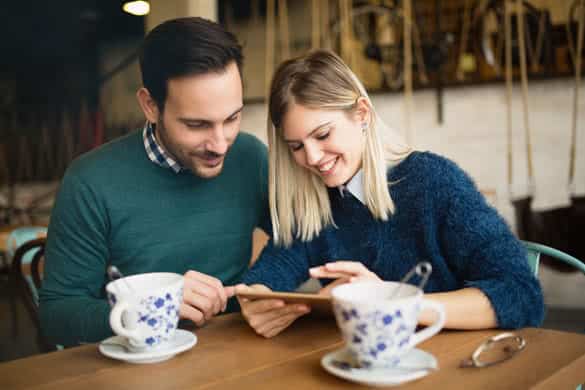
(181, 195)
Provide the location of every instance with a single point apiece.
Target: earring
(364, 127)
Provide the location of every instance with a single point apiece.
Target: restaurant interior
(505, 103)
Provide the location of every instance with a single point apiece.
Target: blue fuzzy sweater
(441, 218)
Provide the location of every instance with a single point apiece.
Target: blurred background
(437, 71)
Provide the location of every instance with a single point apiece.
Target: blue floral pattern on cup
(147, 320)
(161, 314)
(376, 337)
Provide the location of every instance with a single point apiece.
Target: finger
(350, 268)
(355, 279)
(219, 289)
(252, 307)
(203, 278)
(192, 314)
(242, 289)
(321, 272)
(202, 303)
(199, 287)
(261, 306)
(326, 291)
(354, 267)
(259, 287)
(242, 301)
(195, 287)
(277, 325)
(210, 281)
(258, 320)
(230, 291)
(276, 330)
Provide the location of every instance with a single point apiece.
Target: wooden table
(229, 355)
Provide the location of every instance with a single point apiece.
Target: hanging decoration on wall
(376, 43)
(487, 24)
(560, 227)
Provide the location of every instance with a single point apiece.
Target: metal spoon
(115, 274)
(422, 269)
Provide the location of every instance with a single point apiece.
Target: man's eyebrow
(207, 121)
(237, 111)
(311, 132)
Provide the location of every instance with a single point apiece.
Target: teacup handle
(433, 329)
(116, 321)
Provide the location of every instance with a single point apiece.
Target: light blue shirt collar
(355, 186)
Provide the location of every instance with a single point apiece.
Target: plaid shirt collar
(155, 152)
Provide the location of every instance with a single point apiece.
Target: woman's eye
(295, 147)
(322, 136)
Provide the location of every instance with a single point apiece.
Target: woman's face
(330, 143)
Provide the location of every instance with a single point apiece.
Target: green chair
(27, 273)
(534, 252)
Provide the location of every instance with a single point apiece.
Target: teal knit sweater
(117, 207)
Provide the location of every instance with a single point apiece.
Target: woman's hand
(344, 272)
(268, 317)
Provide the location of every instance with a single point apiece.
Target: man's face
(201, 119)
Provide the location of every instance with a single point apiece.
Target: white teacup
(378, 325)
(145, 308)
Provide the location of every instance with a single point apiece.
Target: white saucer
(414, 365)
(182, 341)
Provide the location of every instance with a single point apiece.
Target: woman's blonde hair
(299, 202)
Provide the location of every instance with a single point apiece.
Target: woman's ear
(363, 110)
(148, 105)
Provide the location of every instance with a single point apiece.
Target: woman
(343, 207)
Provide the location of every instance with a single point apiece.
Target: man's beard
(206, 171)
(187, 162)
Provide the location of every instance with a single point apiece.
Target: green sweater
(115, 206)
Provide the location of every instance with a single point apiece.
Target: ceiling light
(138, 8)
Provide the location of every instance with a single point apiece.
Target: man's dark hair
(185, 47)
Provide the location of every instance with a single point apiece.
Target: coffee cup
(378, 320)
(145, 308)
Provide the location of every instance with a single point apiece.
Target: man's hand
(203, 297)
(268, 317)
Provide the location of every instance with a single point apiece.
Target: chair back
(27, 265)
(535, 250)
(18, 236)
(27, 271)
